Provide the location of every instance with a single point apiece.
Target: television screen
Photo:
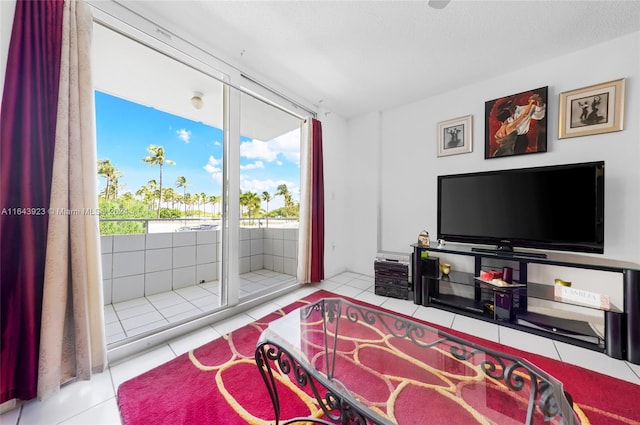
(557, 207)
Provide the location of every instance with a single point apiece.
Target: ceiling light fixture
(438, 4)
(196, 100)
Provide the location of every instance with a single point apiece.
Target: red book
(489, 275)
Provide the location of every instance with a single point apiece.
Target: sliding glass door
(199, 183)
(161, 148)
(269, 180)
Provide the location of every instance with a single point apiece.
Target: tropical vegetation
(128, 212)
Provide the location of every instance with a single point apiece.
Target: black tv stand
(518, 306)
(507, 250)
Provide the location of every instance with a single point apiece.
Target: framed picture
(455, 136)
(592, 110)
(516, 124)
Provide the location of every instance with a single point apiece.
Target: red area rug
(219, 383)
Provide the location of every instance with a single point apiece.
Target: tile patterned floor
(94, 402)
(134, 317)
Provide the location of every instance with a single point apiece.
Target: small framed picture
(516, 124)
(455, 136)
(592, 110)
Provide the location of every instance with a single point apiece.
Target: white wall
(409, 162)
(337, 244)
(362, 206)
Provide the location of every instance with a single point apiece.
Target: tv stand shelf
(462, 292)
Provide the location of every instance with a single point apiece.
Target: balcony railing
(161, 225)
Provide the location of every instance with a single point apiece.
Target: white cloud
(217, 177)
(212, 165)
(257, 149)
(184, 135)
(213, 168)
(287, 145)
(252, 166)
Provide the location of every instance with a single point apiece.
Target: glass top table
(361, 365)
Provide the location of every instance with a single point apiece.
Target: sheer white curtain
(72, 341)
(311, 226)
(305, 215)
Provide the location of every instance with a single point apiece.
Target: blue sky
(125, 130)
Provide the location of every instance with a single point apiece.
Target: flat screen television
(557, 207)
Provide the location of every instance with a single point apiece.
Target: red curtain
(317, 205)
(27, 129)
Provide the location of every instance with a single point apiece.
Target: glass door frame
(129, 24)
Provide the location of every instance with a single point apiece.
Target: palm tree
(244, 201)
(142, 192)
(179, 199)
(254, 204)
(188, 200)
(181, 182)
(104, 193)
(152, 192)
(150, 199)
(169, 196)
(192, 202)
(251, 201)
(204, 198)
(266, 196)
(106, 169)
(195, 198)
(288, 201)
(156, 157)
(213, 200)
(127, 198)
(113, 183)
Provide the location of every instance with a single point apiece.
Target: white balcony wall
(136, 266)
(274, 249)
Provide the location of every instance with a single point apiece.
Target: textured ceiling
(354, 57)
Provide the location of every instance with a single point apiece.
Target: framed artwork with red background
(516, 124)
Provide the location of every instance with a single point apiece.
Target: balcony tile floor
(94, 402)
(134, 317)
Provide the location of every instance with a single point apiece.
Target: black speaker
(430, 273)
(430, 289)
(431, 267)
(614, 340)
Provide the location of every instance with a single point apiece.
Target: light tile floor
(134, 317)
(94, 402)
